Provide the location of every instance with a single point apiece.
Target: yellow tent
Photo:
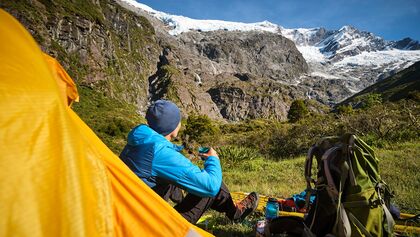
(57, 178)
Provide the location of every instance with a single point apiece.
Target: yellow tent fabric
(68, 89)
(57, 178)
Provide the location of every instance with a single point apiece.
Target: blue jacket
(151, 156)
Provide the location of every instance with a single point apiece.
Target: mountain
(247, 70)
(348, 58)
(337, 44)
(128, 52)
(129, 56)
(406, 44)
(359, 58)
(405, 84)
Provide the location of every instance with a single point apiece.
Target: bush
(392, 122)
(371, 100)
(295, 140)
(345, 109)
(117, 127)
(298, 110)
(200, 129)
(379, 125)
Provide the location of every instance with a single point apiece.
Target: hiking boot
(246, 206)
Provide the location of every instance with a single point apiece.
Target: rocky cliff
(215, 66)
(128, 55)
(102, 45)
(199, 69)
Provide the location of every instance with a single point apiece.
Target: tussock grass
(268, 177)
(400, 168)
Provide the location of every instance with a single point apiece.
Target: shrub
(388, 122)
(200, 129)
(296, 139)
(298, 110)
(117, 127)
(345, 109)
(371, 100)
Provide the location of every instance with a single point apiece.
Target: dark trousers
(192, 207)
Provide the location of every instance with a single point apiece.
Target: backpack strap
(342, 225)
(307, 232)
(359, 225)
(308, 175)
(389, 225)
(350, 151)
(331, 188)
(308, 167)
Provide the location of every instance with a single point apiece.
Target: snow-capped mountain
(358, 57)
(347, 41)
(336, 44)
(181, 24)
(407, 44)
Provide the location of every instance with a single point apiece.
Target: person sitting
(150, 154)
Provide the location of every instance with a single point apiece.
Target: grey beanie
(163, 116)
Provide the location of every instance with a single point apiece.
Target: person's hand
(211, 152)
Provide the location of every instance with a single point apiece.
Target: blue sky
(390, 19)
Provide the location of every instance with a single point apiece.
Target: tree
(297, 111)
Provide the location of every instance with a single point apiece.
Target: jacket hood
(141, 134)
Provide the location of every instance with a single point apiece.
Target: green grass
(399, 165)
(272, 178)
(400, 168)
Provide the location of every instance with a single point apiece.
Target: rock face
(406, 44)
(237, 101)
(208, 65)
(101, 44)
(209, 69)
(262, 54)
(129, 55)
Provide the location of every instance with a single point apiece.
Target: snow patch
(181, 24)
(379, 58)
(311, 53)
(353, 91)
(324, 75)
(301, 36)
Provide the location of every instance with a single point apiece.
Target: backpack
(351, 198)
